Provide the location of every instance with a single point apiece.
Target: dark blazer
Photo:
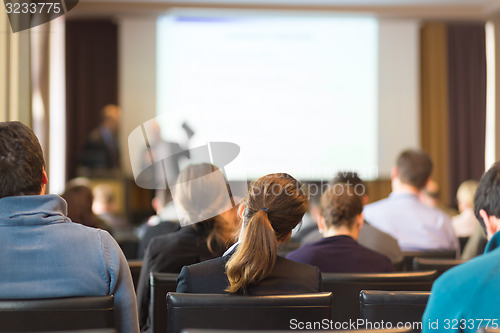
(287, 277)
(341, 254)
(168, 254)
(162, 228)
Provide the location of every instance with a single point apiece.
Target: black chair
(347, 286)
(56, 314)
(161, 284)
(440, 265)
(245, 312)
(135, 270)
(197, 330)
(95, 330)
(398, 264)
(395, 307)
(129, 246)
(409, 255)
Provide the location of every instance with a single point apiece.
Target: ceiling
(428, 9)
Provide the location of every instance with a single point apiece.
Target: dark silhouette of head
(21, 160)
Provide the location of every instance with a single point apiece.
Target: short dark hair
(339, 205)
(21, 160)
(487, 195)
(414, 167)
(350, 178)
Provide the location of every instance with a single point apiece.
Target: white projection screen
(297, 94)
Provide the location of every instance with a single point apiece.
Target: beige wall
(137, 76)
(399, 75)
(15, 96)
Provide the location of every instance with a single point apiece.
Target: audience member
(465, 223)
(101, 150)
(465, 297)
(162, 159)
(340, 223)
(164, 222)
(201, 196)
(274, 205)
(369, 236)
(105, 207)
(475, 244)
(309, 226)
(416, 226)
(430, 194)
(79, 198)
(46, 254)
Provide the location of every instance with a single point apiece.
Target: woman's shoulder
(289, 277)
(208, 265)
(284, 263)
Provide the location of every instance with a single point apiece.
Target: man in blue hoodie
(45, 254)
(466, 297)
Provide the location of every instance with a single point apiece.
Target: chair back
(440, 265)
(347, 286)
(409, 255)
(161, 284)
(394, 307)
(135, 270)
(224, 311)
(394, 330)
(56, 314)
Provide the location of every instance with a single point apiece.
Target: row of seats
(346, 288)
(292, 311)
(482, 330)
(440, 261)
(194, 313)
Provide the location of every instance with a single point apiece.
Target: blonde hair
(274, 205)
(466, 192)
(201, 195)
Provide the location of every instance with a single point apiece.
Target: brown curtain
(467, 102)
(91, 80)
(434, 101)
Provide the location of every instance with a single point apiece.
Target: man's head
(341, 207)
(487, 199)
(21, 161)
(111, 117)
(352, 179)
(413, 168)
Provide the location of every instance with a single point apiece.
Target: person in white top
(466, 221)
(416, 226)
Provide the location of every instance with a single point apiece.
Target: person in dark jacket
(340, 222)
(274, 205)
(208, 222)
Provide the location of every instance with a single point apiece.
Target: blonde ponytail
(256, 254)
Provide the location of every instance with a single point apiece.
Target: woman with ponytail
(274, 205)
